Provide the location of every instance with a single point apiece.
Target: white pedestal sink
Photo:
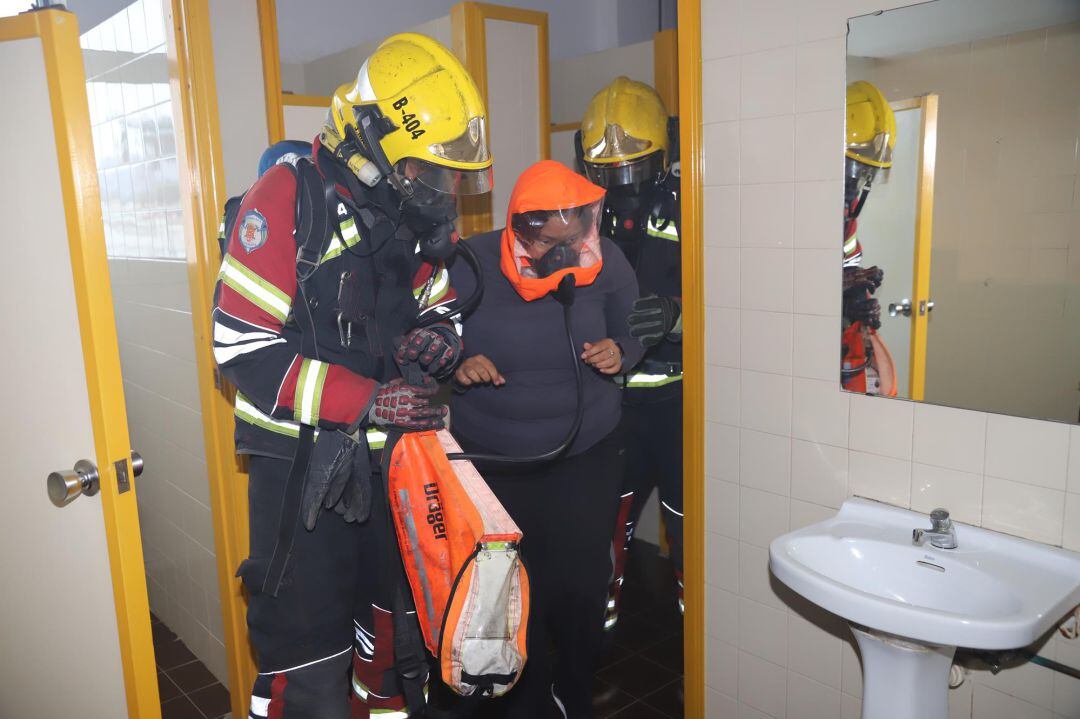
(911, 606)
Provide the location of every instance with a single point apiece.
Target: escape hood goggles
(552, 230)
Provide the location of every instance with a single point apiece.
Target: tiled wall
(1005, 269)
(784, 445)
(132, 117)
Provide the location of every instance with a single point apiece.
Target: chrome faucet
(941, 534)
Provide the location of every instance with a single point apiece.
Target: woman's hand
(478, 369)
(604, 356)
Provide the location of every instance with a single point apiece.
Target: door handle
(136, 463)
(925, 307)
(900, 308)
(67, 485)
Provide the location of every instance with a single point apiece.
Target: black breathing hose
(474, 299)
(565, 295)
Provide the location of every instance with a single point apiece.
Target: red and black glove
(435, 350)
(407, 407)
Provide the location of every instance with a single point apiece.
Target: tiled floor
(643, 676)
(188, 689)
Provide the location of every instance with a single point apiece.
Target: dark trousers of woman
(566, 512)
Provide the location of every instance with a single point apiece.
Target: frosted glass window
(131, 112)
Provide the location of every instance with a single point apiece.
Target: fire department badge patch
(252, 230)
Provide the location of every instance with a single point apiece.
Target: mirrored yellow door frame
(924, 232)
(59, 34)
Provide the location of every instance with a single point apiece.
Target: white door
(74, 621)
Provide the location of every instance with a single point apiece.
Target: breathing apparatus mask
(427, 192)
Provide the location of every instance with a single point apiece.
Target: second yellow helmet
(871, 125)
(624, 133)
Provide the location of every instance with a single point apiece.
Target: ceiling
(948, 22)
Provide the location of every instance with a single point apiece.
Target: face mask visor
(633, 173)
(553, 240)
(428, 178)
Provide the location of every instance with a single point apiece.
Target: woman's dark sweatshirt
(526, 341)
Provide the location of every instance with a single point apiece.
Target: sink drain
(930, 565)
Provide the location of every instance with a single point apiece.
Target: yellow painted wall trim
(924, 231)
(66, 77)
(565, 126)
(666, 68)
(693, 312)
(199, 145)
(467, 26)
(292, 99)
(271, 62)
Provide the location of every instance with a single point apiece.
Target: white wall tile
(748, 712)
(813, 651)
(1027, 451)
(767, 215)
(767, 150)
(722, 614)
(818, 224)
(755, 580)
(817, 282)
(720, 147)
(722, 505)
(1028, 682)
(720, 706)
(815, 353)
(722, 340)
(850, 707)
(765, 461)
(763, 631)
(723, 273)
(721, 394)
(808, 699)
(721, 666)
(803, 514)
(819, 143)
(720, 29)
(819, 412)
(947, 437)
(959, 492)
(819, 473)
(817, 20)
(1023, 509)
(766, 23)
(762, 685)
(1074, 459)
(765, 341)
(1071, 536)
(763, 516)
(722, 452)
(722, 562)
(881, 425)
(818, 64)
(765, 402)
(992, 704)
(766, 279)
(720, 90)
(720, 207)
(850, 668)
(882, 478)
(767, 83)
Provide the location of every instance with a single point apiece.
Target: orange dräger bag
(460, 551)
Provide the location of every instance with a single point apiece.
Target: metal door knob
(67, 485)
(903, 307)
(136, 463)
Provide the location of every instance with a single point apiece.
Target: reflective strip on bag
(351, 235)
(668, 233)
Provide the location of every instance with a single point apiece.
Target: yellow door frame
(199, 145)
(666, 67)
(693, 346)
(468, 27)
(924, 230)
(271, 62)
(58, 31)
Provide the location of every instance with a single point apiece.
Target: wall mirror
(962, 206)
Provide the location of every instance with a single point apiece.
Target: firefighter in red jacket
(313, 328)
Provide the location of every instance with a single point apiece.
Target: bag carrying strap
(289, 516)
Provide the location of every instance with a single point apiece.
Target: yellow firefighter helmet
(624, 134)
(433, 127)
(871, 125)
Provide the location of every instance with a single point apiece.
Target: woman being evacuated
(518, 396)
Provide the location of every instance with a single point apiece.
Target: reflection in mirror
(962, 212)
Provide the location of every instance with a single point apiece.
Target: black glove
(338, 478)
(653, 319)
(436, 350)
(407, 407)
(859, 303)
